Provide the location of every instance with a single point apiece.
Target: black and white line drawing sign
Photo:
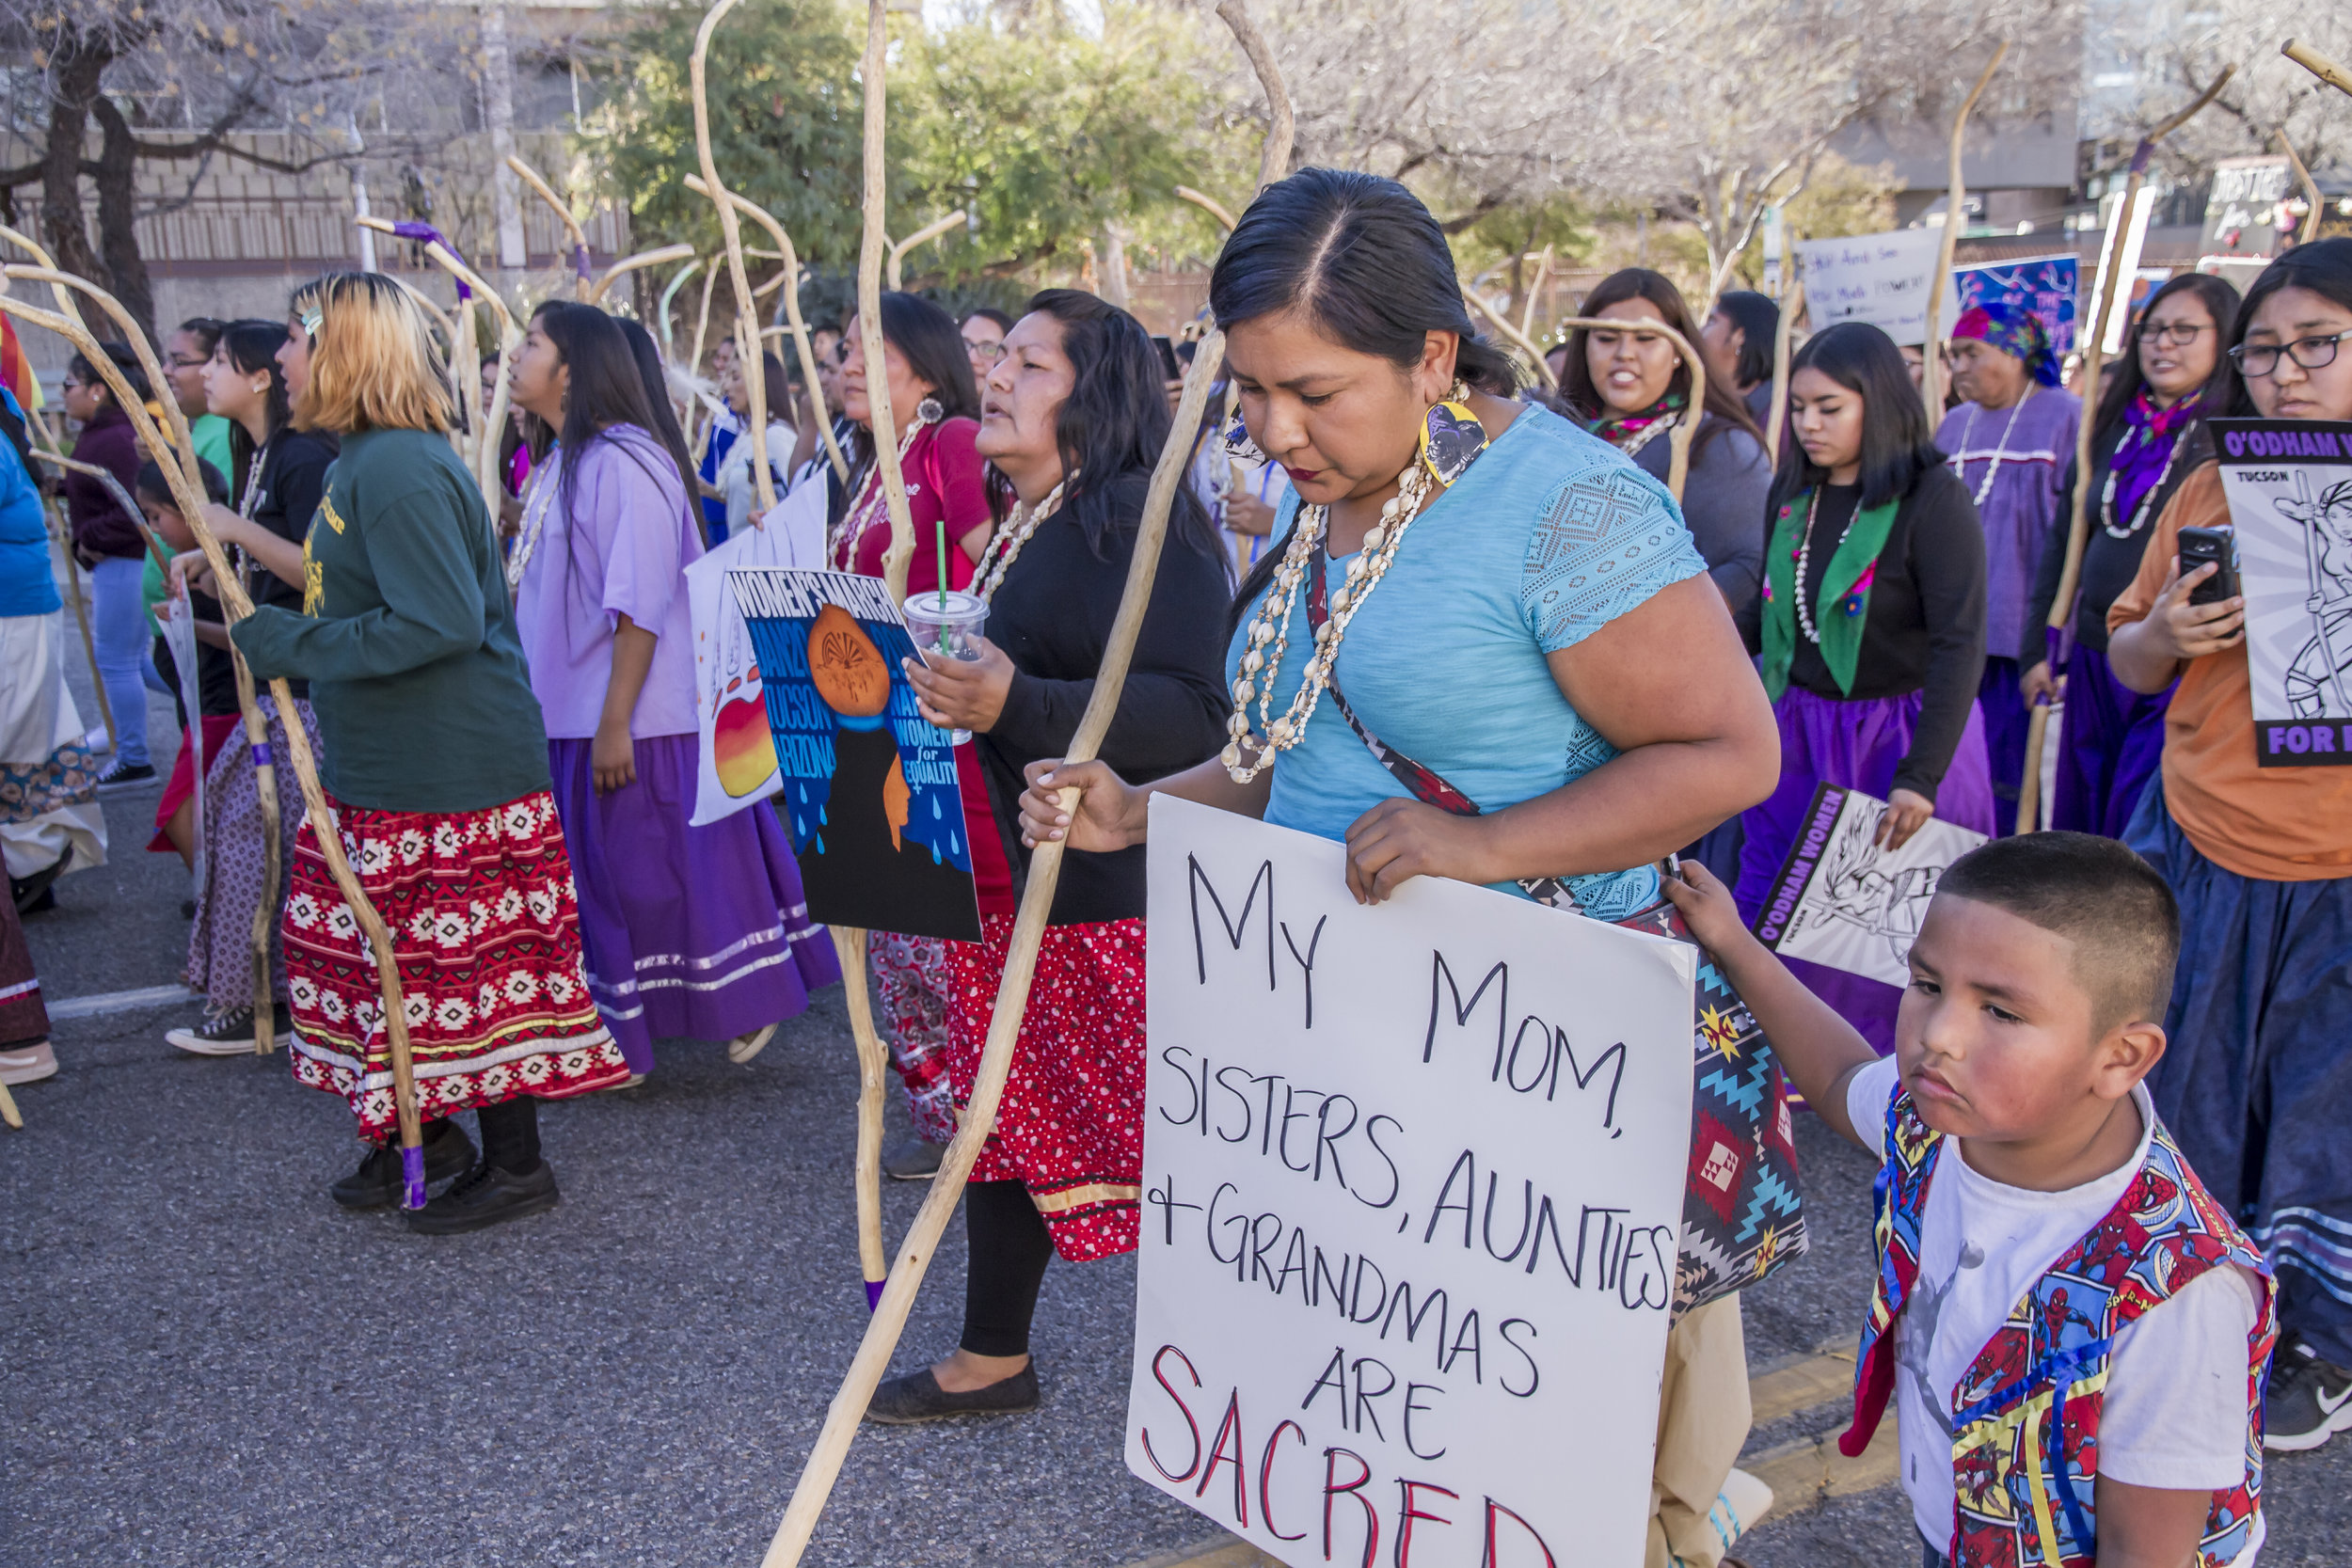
(2289, 484)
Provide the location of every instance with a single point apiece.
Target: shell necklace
(248, 504)
(538, 499)
(1271, 626)
(1960, 459)
(1804, 561)
(2139, 513)
(1647, 434)
(872, 502)
(990, 574)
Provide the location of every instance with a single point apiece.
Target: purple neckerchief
(2140, 458)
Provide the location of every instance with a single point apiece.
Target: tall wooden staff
(1519, 340)
(1931, 372)
(2314, 207)
(2319, 65)
(2078, 518)
(1036, 899)
(177, 459)
(577, 235)
(627, 265)
(1776, 420)
(669, 296)
(790, 280)
(483, 459)
(746, 328)
(1208, 204)
(871, 247)
(924, 235)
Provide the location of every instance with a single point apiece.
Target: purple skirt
(2008, 725)
(2109, 745)
(690, 931)
(1854, 745)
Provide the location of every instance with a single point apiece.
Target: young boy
(2079, 1334)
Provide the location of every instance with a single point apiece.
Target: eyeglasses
(181, 363)
(2261, 359)
(2182, 333)
(986, 353)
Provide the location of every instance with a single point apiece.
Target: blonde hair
(373, 363)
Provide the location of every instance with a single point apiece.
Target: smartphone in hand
(2200, 546)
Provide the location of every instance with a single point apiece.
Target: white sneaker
(744, 1046)
(28, 1064)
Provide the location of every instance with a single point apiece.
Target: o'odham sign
(1412, 1185)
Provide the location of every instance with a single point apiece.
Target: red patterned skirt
(1070, 1124)
(486, 930)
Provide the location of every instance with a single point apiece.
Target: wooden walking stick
(178, 461)
(577, 235)
(2319, 65)
(2314, 207)
(8, 1113)
(1536, 295)
(1776, 418)
(1931, 372)
(1208, 204)
(627, 265)
(1519, 340)
(869, 270)
(1037, 900)
(483, 460)
(790, 280)
(2093, 350)
(746, 328)
(669, 296)
(1687, 426)
(924, 235)
(81, 619)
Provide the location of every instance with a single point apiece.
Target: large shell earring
(1239, 447)
(930, 410)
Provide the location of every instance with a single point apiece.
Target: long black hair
(1111, 428)
(1896, 445)
(928, 339)
(120, 356)
(253, 347)
(1359, 257)
(2323, 267)
(665, 428)
(1720, 404)
(2221, 303)
(1758, 321)
(605, 389)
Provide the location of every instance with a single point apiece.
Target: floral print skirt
(485, 933)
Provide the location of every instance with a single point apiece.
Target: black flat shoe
(483, 1197)
(916, 1398)
(376, 1183)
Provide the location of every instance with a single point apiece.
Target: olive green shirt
(407, 636)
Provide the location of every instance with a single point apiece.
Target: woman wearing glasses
(2147, 436)
(2257, 1085)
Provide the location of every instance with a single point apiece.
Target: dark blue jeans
(1930, 1557)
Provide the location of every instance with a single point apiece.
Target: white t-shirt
(2174, 1415)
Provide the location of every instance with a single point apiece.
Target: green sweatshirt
(407, 636)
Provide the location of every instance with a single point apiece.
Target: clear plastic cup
(946, 625)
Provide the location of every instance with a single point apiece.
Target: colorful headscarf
(2013, 329)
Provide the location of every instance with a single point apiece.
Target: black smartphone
(1169, 369)
(2217, 545)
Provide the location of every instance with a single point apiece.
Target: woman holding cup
(1073, 418)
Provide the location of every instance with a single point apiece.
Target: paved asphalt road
(211, 1365)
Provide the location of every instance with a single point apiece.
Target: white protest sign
(1413, 1178)
(1843, 901)
(737, 757)
(2289, 484)
(1880, 278)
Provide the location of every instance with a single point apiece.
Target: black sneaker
(914, 1161)
(125, 775)
(916, 1398)
(483, 1197)
(232, 1035)
(376, 1183)
(2310, 1401)
(31, 895)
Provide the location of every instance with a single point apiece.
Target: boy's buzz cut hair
(2114, 907)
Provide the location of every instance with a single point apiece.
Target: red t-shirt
(940, 468)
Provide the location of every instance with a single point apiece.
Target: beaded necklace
(2139, 513)
(1959, 458)
(248, 504)
(538, 498)
(872, 502)
(1804, 560)
(988, 576)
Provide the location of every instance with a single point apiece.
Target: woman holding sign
(689, 931)
(2148, 436)
(1558, 693)
(2257, 1087)
(1075, 416)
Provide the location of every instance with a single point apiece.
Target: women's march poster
(736, 756)
(1412, 1188)
(870, 792)
(1843, 901)
(2289, 484)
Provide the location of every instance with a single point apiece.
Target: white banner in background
(737, 755)
(1878, 279)
(1413, 1178)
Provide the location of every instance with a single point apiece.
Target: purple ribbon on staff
(262, 755)
(412, 1176)
(580, 263)
(424, 233)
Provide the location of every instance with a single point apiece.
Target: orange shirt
(2277, 824)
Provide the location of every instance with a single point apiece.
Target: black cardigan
(1926, 627)
(2108, 563)
(1052, 617)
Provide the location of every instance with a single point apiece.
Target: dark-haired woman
(106, 544)
(1870, 628)
(689, 931)
(736, 486)
(1075, 419)
(2148, 437)
(1633, 390)
(1737, 343)
(1617, 716)
(2257, 1081)
(278, 476)
(936, 407)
